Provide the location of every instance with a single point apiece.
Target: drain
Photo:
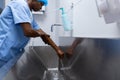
(53, 74)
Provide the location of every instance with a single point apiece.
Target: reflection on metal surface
(53, 74)
(94, 59)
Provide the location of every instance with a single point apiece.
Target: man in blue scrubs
(17, 25)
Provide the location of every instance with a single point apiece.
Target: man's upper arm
(26, 27)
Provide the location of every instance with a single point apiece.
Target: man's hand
(46, 38)
(42, 33)
(60, 54)
(43, 36)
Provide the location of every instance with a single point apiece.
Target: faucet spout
(54, 25)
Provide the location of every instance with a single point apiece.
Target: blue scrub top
(12, 39)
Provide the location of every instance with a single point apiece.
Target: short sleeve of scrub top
(21, 13)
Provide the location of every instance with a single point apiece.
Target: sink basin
(93, 59)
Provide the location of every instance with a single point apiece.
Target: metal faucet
(54, 25)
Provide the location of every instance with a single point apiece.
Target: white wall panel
(87, 23)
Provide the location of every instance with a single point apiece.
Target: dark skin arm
(29, 32)
(75, 43)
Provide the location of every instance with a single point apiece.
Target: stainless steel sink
(93, 59)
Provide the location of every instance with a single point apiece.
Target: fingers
(48, 35)
(44, 34)
(60, 54)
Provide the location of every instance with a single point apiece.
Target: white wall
(87, 22)
(65, 39)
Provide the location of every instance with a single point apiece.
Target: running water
(65, 71)
(62, 69)
(60, 65)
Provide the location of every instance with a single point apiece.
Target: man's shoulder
(17, 3)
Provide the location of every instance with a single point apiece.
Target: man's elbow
(27, 34)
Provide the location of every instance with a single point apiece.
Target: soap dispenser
(65, 21)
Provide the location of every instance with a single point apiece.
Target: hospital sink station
(59, 39)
